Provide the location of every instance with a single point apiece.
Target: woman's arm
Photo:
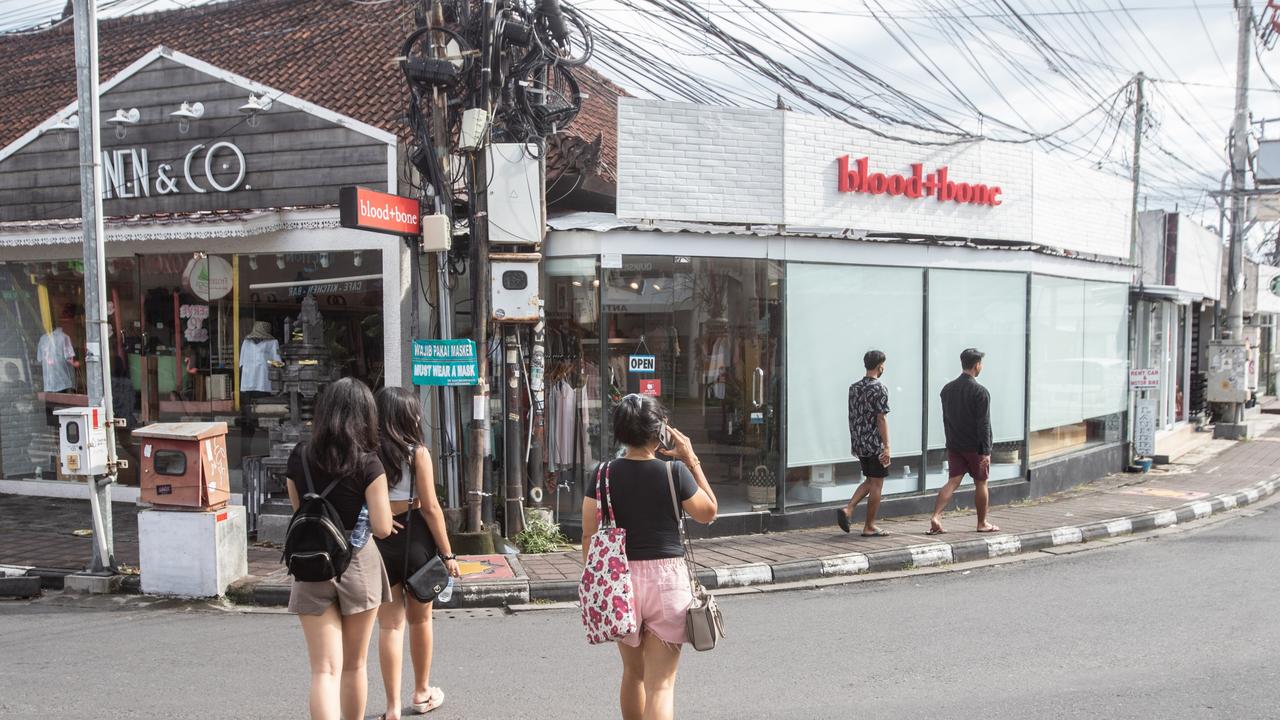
(703, 506)
(424, 476)
(590, 524)
(294, 500)
(375, 497)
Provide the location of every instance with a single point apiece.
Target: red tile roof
(334, 53)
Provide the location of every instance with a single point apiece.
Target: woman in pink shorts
(641, 496)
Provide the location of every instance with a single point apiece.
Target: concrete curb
(521, 591)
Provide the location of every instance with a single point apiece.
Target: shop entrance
(704, 336)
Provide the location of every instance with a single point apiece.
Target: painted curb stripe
(845, 565)
(1202, 509)
(743, 575)
(1123, 526)
(1228, 501)
(1004, 545)
(1165, 518)
(931, 555)
(1066, 536)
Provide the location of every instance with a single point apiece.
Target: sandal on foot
(842, 519)
(435, 698)
(876, 533)
(992, 529)
(935, 531)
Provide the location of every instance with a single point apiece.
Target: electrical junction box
(513, 284)
(514, 194)
(1267, 163)
(475, 121)
(1228, 377)
(437, 235)
(82, 441)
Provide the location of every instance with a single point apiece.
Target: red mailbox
(184, 465)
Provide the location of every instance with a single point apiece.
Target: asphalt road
(1176, 627)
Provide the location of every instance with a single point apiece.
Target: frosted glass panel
(834, 315)
(986, 310)
(1057, 351)
(1106, 349)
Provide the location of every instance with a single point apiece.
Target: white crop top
(399, 492)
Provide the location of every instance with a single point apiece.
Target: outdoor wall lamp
(122, 119)
(185, 114)
(65, 128)
(256, 105)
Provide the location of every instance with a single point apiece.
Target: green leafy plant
(540, 536)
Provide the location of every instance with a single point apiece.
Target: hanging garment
(55, 353)
(255, 359)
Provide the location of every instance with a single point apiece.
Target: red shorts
(961, 463)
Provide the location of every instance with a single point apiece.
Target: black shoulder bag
(429, 580)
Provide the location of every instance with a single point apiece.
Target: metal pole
(479, 275)
(97, 350)
(513, 438)
(1239, 165)
(1139, 117)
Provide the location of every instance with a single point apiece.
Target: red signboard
(366, 209)
(937, 184)
(651, 387)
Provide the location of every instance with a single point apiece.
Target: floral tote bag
(605, 592)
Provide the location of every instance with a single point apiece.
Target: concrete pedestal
(1231, 431)
(192, 554)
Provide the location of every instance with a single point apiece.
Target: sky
(1054, 72)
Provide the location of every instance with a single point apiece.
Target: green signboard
(445, 362)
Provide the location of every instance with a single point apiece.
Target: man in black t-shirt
(966, 418)
(869, 442)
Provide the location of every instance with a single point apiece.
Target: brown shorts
(960, 463)
(363, 587)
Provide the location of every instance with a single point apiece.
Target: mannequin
(57, 355)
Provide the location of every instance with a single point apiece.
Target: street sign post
(445, 363)
(1144, 427)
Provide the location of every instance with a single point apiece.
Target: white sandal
(435, 699)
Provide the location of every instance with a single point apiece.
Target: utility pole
(1235, 427)
(479, 275)
(513, 442)
(97, 340)
(1139, 118)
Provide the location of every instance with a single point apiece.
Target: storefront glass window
(573, 398)
(835, 314)
(987, 311)
(704, 336)
(1079, 364)
(42, 345)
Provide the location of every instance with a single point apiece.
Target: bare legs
(981, 498)
(391, 648)
(871, 489)
(391, 624)
(648, 679)
(337, 648)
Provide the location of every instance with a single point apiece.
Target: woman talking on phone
(641, 497)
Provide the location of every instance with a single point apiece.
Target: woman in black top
(642, 505)
(337, 615)
(408, 462)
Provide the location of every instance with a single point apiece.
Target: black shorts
(393, 548)
(871, 466)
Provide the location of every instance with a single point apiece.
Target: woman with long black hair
(640, 490)
(413, 500)
(337, 615)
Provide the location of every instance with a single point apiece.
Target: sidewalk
(1217, 477)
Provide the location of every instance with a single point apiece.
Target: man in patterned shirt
(869, 441)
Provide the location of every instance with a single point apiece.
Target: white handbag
(703, 622)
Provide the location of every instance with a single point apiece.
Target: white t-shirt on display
(55, 353)
(255, 374)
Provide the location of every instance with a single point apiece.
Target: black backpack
(316, 547)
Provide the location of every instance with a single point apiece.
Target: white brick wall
(728, 165)
(698, 163)
(1199, 268)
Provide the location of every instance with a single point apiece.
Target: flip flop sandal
(935, 531)
(434, 700)
(877, 533)
(842, 520)
(992, 529)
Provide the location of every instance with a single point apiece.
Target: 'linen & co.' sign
(126, 172)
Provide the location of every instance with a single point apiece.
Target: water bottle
(360, 536)
(447, 592)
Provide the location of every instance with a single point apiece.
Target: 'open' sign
(642, 364)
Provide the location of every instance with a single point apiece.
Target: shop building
(755, 255)
(222, 249)
(1176, 292)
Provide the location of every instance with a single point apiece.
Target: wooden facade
(294, 154)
